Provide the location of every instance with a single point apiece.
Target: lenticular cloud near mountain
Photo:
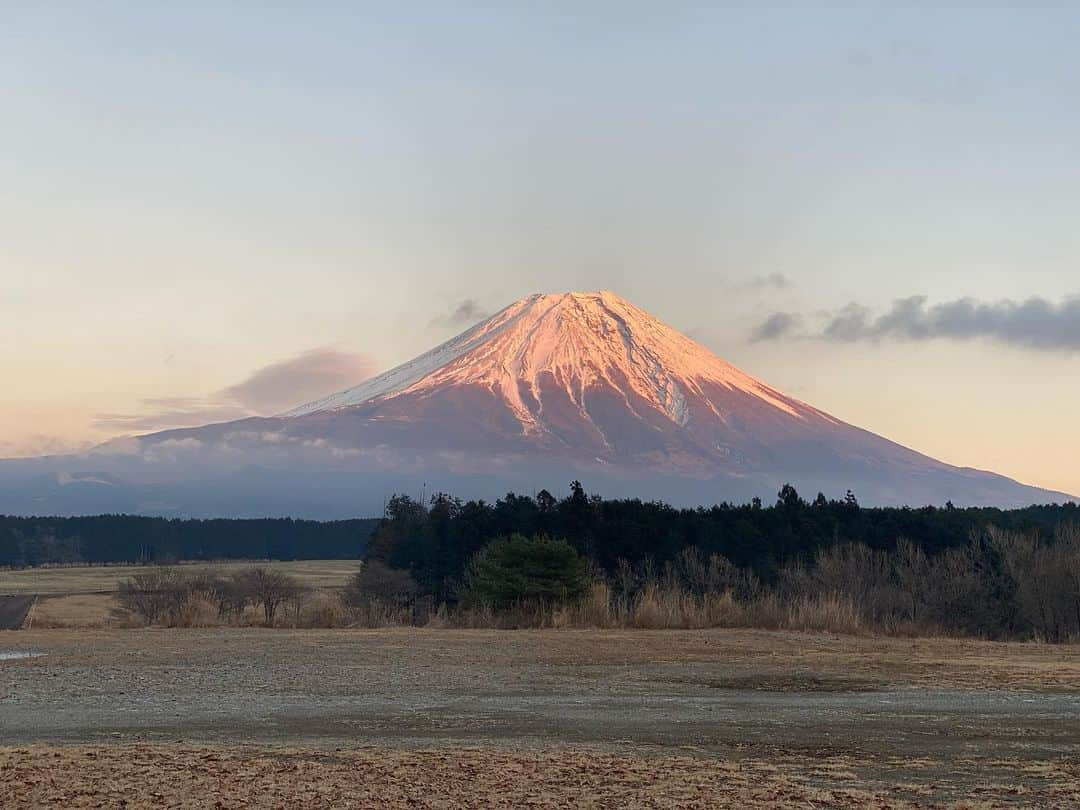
(551, 388)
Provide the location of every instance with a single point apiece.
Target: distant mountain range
(552, 388)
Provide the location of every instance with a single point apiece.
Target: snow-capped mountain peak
(551, 388)
(574, 341)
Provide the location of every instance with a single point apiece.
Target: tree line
(435, 541)
(30, 541)
(817, 565)
(589, 562)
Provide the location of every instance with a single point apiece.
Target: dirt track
(945, 718)
(14, 610)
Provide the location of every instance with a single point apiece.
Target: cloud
(66, 479)
(172, 412)
(777, 325)
(1034, 323)
(171, 450)
(269, 390)
(465, 313)
(311, 375)
(776, 281)
(40, 444)
(120, 446)
(768, 281)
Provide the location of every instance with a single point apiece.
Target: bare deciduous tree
(911, 568)
(270, 589)
(154, 594)
(377, 581)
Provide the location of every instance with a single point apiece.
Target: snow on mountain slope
(578, 339)
(581, 375)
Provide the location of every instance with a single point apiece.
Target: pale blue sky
(192, 192)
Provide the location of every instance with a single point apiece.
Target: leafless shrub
(270, 589)
(376, 580)
(196, 611)
(325, 610)
(153, 595)
(911, 569)
(1046, 580)
(172, 596)
(379, 596)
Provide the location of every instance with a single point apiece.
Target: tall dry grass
(658, 607)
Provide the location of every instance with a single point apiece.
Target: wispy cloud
(1034, 323)
(767, 281)
(776, 281)
(267, 391)
(40, 444)
(313, 374)
(465, 313)
(172, 412)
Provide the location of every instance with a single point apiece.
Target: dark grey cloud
(465, 313)
(1035, 323)
(269, 390)
(777, 325)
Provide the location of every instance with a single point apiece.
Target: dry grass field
(81, 596)
(65, 580)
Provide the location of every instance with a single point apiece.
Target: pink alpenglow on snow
(581, 340)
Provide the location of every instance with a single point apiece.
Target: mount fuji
(551, 388)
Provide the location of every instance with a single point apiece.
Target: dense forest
(795, 564)
(436, 541)
(28, 541)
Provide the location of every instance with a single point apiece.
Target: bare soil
(178, 777)
(431, 718)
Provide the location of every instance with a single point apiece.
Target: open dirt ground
(409, 717)
(173, 776)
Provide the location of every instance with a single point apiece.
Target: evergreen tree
(523, 570)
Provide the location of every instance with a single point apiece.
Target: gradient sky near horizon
(212, 209)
